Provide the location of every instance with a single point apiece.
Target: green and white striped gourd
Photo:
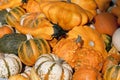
(10, 65)
(51, 67)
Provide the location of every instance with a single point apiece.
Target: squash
(91, 38)
(14, 15)
(31, 49)
(34, 75)
(5, 29)
(90, 7)
(18, 77)
(67, 49)
(112, 73)
(37, 25)
(108, 41)
(66, 15)
(115, 39)
(87, 73)
(51, 67)
(111, 60)
(10, 3)
(2, 16)
(89, 57)
(105, 23)
(9, 43)
(10, 65)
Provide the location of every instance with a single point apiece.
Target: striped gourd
(31, 49)
(14, 15)
(10, 65)
(51, 67)
(113, 73)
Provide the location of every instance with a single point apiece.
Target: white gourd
(116, 39)
(10, 65)
(51, 67)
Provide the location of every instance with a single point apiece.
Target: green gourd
(9, 43)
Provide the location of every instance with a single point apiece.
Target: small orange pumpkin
(5, 29)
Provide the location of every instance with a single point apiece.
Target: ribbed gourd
(51, 67)
(10, 64)
(31, 49)
(14, 14)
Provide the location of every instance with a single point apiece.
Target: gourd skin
(10, 65)
(9, 43)
(51, 67)
(31, 49)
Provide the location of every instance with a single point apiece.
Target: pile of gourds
(59, 39)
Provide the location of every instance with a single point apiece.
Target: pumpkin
(89, 57)
(10, 3)
(10, 65)
(86, 73)
(111, 60)
(31, 49)
(33, 75)
(51, 67)
(14, 15)
(115, 39)
(57, 14)
(91, 38)
(108, 41)
(89, 5)
(38, 26)
(112, 73)
(5, 29)
(18, 77)
(9, 43)
(105, 23)
(67, 49)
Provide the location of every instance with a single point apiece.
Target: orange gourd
(91, 38)
(105, 23)
(5, 29)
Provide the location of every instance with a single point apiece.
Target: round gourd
(105, 23)
(10, 65)
(115, 39)
(67, 49)
(51, 67)
(14, 15)
(89, 57)
(113, 73)
(9, 43)
(86, 73)
(31, 49)
(91, 38)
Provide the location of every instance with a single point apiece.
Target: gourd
(31, 49)
(9, 43)
(115, 39)
(67, 49)
(108, 41)
(10, 65)
(57, 15)
(51, 67)
(10, 3)
(112, 73)
(5, 29)
(37, 25)
(89, 57)
(18, 77)
(14, 14)
(105, 23)
(86, 33)
(2, 16)
(87, 73)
